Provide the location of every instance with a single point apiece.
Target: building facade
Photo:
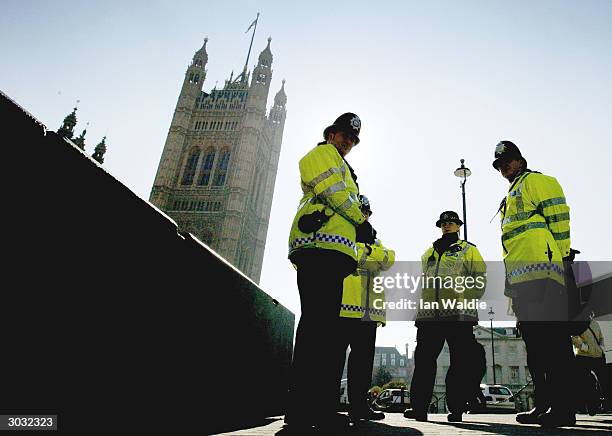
(218, 167)
(398, 365)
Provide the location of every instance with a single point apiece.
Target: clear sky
(432, 81)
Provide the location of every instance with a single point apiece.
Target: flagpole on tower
(254, 25)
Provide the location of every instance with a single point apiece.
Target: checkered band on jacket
(535, 267)
(361, 309)
(323, 237)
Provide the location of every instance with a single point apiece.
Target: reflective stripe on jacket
(535, 229)
(359, 296)
(327, 185)
(445, 280)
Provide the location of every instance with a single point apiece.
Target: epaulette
(470, 243)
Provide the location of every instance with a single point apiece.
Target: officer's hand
(571, 256)
(366, 233)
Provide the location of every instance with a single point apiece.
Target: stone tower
(218, 168)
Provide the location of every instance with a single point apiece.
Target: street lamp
(463, 172)
(491, 314)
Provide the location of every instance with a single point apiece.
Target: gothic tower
(218, 168)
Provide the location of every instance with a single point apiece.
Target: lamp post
(464, 173)
(491, 314)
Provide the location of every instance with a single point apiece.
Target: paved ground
(396, 424)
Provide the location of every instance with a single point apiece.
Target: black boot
(332, 422)
(366, 415)
(530, 417)
(555, 419)
(454, 417)
(412, 414)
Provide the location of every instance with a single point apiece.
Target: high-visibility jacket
(327, 185)
(359, 298)
(457, 276)
(590, 342)
(535, 230)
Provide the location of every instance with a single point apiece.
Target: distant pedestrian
(589, 346)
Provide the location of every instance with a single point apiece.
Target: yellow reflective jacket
(458, 276)
(359, 298)
(535, 229)
(327, 185)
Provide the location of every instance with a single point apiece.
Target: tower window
(197, 78)
(207, 167)
(190, 167)
(221, 172)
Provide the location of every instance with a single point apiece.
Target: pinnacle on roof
(266, 54)
(66, 130)
(80, 141)
(280, 99)
(201, 54)
(99, 151)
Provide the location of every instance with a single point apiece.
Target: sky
(432, 82)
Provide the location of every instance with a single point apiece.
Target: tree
(375, 390)
(396, 384)
(382, 377)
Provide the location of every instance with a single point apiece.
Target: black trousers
(361, 337)
(540, 306)
(551, 362)
(430, 340)
(315, 381)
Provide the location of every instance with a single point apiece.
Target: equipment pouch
(312, 222)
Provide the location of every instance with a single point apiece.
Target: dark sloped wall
(113, 320)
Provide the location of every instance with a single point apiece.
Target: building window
(207, 167)
(207, 237)
(221, 171)
(402, 362)
(514, 374)
(190, 167)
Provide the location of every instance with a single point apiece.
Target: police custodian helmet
(507, 150)
(449, 216)
(348, 123)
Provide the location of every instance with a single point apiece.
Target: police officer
(322, 247)
(453, 272)
(360, 314)
(535, 241)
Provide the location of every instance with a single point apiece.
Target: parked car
(392, 400)
(498, 397)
